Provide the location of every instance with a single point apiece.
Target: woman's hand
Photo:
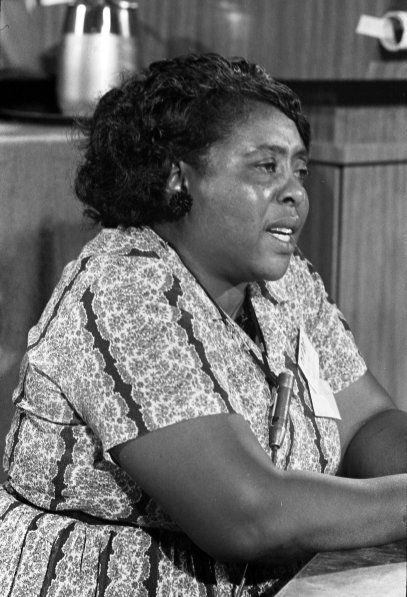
(217, 483)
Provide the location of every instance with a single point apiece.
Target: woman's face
(250, 204)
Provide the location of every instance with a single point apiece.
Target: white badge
(308, 359)
(323, 399)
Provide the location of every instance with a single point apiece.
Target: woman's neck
(228, 296)
(232, 301)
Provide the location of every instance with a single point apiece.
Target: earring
(179, 203)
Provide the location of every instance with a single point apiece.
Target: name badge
(323, 399)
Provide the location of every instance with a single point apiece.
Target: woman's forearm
(320, 513)
(217, 483)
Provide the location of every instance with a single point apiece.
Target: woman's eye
(268, 166)
(302, 173)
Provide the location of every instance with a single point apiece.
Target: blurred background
(353, 90)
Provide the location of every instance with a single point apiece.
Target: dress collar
(278, 291)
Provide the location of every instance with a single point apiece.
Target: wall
(294, 39)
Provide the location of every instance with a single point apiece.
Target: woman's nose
(293, 192)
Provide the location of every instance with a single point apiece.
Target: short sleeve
(125, 358)
(340, 360)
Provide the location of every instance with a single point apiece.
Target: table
(368, 572)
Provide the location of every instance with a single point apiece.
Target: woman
(139, 458)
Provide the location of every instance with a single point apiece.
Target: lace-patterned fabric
(130, 342)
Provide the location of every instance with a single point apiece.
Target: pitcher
(99, 43)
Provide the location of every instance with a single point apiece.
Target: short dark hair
(174, 110)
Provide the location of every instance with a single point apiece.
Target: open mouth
(282, 234)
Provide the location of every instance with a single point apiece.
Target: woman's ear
(179, 200)
(177, 179)
(174, 181)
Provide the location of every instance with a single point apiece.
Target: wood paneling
(373, 266)
(356, 237)
(293, 39)
(344, 125)
(315, 39)
(319, 238)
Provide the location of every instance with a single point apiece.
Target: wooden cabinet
(356, 236)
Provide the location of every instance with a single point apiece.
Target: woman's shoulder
(115, 266)
(130, 242)
(120, 256)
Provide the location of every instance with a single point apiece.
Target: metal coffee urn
(99, 44)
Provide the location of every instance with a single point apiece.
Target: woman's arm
(217, 483)
(373, 431)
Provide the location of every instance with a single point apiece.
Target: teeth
(282, 230)
(282, 237)
(283, 234)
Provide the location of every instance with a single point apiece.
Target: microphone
(280, 412)
(285, 384)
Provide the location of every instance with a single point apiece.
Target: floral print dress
(130, 342)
